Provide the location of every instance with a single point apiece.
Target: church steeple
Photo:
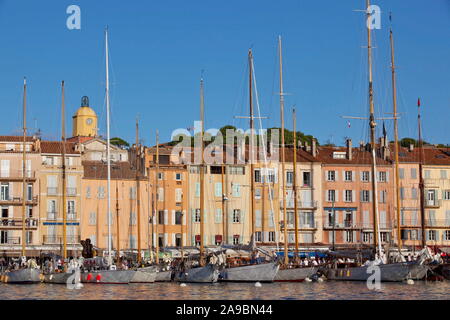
(84, 120)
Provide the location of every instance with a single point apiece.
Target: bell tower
(84, 120)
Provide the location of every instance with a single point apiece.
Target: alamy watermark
(73, 22)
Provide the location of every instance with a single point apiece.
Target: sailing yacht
(257, 272)
(106, 272)
(30, 274)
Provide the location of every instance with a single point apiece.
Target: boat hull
(417, 271)
(394, 272)
(264, 272)
(23, 276)
(163, 276)
(108, 276)
(295, 274)
(444, 270)
(207, 274)
(144, 275)
(59, 278)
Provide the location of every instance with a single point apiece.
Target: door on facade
(431, 197)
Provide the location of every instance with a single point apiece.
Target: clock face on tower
(89, 121)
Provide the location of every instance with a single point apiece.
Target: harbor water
(331, 290)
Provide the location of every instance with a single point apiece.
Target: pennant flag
(348, 124)
(418, 102)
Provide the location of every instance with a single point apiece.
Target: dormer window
(339, 155)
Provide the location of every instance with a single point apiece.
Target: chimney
(349, 149)
(313, 147)
(307, 147)
(361, 145)
(411, 148)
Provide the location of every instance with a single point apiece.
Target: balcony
(71, 215)
(14, 201)
(433, 203)
(349, 225)
(51, 215)
(301, 226)
(71, 192)
(437, 223)
(11, 241)
(15, 223)
(300, 204)
(52, 191)
(17, 175)
(59, 239)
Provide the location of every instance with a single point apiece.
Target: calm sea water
(225, 291)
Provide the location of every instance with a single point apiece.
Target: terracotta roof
(325, 155)
(79, 139)
(55, 147)
(430, 155)
(16, 139)
(98, 170)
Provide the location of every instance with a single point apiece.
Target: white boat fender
(258, 284)
(320, 280)
(182, 284)
(410, 281)
(51, 277)
(308, 280)
(79, 285)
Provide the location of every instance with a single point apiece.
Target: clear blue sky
(158, 49)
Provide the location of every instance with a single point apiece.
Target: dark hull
(394, 272)
(108, 276)
(417, 271)
(295, 274)
(207, 274)
(444, 270)
(264, 272)
(144, 275)
(23, 276)
(163, 276)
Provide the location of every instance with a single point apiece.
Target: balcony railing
(437, 223)
(300, 204)
(59, 239)
(9, 200)
(52, 191)
(352, 225)
(433, 203)
(310, 225)
(71, 191)
(11, 240)
(16, 175)
(16, 222)
(51, 215)
(70, 215)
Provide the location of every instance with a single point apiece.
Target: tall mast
(294, 185)
(156, 198)
(421, 182)
(63, 139)
(24, 159)
(372, 124)
(286, 258)
(252, 143)
(394, 103)
(223, 201)
(202, 175)
(118, 222)
(138, 194)
(108, 158)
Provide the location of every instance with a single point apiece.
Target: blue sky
(158, 50)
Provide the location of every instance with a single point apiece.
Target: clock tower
(84, 120)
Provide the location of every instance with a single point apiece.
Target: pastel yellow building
(84, 120)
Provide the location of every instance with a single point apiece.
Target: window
(197, 215)
(427, 174)
(290, 219)
(29, 192)
(258, 236)
(178, 176)
(216, 170)
(237, 170)
(382, 176)
(330, 214)
(443, 174)
(331, 196)
(92, 218)
(365, 196)
(365, 176)
(258, 218)
(4, 193)
(331, 176)
(432, 235)
(160, 194)
(218, 216)
(236, 239)
(4, 172)
(348, 196)
(271, 219)
(383, 195)
(218, 189)
(383, 236)
(366, 236)
(307, 179)
(132, 192)
(348, 176)
(236, 216)
(178, 240)
(51, 209)
(257, 174)
(29, 237)
(3, 237)
(413, 193)
(349, 236)
(446, 195)
(71, 210)
(218, 239)
(447, 235)
(401, 173)
(348, 222)
(178, 217)
(339, 155)
(178, 195)
(52, 185)
(160, 175)
(289, 178)
(402, 193)
(160, 216)
(133, 218)
(413, 173)
(161, 240)
(236, 187)
(101, 192)
(88, 192)
(258, 193)
(271, 236)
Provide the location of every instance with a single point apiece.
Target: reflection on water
(224, 291)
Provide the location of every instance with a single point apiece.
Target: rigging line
(264, 152)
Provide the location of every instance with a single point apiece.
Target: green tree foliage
(119, 142)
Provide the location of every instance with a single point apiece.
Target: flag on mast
(418, 102)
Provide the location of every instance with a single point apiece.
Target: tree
(119, 142)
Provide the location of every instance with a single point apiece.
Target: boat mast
(157, 198)
(372, 125)
(63, 139)
(286, 258)
(252, 144)
(421, 182)
(138, 194)
(202, 176)
(394, 103)
(24, 158)
(294, 185)
(118, 222)
(108, 158)
(223, 201)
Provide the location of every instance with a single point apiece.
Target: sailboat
(30, 274)
(388, 271)
(205, 272)
(262, 272)
(108, 274)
